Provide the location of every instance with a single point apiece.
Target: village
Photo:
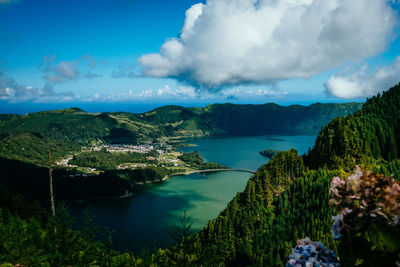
(165, 156)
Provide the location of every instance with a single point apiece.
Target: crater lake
(143, 221)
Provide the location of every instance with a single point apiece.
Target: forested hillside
(371, 133)
(285, 200)
(231, 119)
(29, 137)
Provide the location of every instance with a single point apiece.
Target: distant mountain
(28, 137)
(231, 119)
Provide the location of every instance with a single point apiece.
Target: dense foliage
(32, 148)
(29, 137)
(29, 237)
(108, 184)
(371, 133)
(259, 226)
(32, 181)
(104, 160)
(269, 153)
(231, 119)
(286, 199)
(196, 161)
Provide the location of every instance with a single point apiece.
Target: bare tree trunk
(53, 209)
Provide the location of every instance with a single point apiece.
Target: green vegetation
(269, 153)
(371, 134)
(103, 160)
(29, 137)
(285, 200)
(231, 119)
(32, 148)
(111, 183)
(260, 225)
(195, 160)
(32, 181)
(30, 237)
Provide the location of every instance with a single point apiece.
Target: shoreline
(165, 178)
(140, 184)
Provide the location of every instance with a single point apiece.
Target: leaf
(384, 237)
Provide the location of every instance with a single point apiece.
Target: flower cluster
(365, 195)
(308, 253)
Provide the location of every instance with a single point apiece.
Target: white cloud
(226, 42)
(12, 91)
(165, 93)
(364, 82)
(181, 92)
(66, 71)
(254, 93)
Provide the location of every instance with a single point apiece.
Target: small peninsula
(269, 153)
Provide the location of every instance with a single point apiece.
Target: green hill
(287, 199)
(28, 137)
(231, 119)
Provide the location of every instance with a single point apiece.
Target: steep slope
(28, 137)
(370, 134)
(231, 119)
(274, 119)
(287, 198)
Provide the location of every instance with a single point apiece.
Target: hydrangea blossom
(337, 226)
(308, 253)
(373, 195)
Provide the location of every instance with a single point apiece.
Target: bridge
(224, 170)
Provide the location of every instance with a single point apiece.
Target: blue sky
(121, 53)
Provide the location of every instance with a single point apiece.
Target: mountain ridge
(74, 127)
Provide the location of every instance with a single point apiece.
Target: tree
(181, 235)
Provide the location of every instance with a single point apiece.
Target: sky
(134, 55)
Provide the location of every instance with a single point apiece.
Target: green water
(144, 220)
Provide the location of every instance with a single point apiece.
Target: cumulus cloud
(66, 71)
(364, 82)
(225, 42)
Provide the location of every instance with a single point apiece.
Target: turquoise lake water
(144, 220)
